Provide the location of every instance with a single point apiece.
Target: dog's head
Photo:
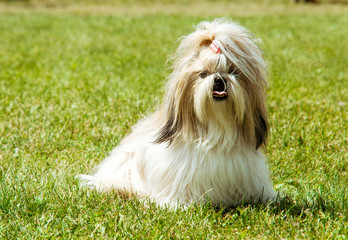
(217, 88)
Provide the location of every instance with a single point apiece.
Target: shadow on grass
(286, 207)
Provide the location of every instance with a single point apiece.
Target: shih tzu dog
(203, 144)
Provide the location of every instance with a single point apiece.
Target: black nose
(219, 85)
(219, 89)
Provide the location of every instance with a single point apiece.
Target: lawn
(74, 79)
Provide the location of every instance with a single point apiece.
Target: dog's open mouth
(219, 89)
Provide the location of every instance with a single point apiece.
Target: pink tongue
(219, 94)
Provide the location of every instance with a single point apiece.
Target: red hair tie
(215, 47)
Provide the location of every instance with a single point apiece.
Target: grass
(72, 85)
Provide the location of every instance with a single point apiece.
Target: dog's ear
(261, 127)
(170, 128)
(177, 116)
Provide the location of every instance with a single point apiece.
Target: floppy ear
(261, 127)
(170, 128)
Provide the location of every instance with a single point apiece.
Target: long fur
(195, 148)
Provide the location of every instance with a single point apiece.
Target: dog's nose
(219, 85)
(219, 89)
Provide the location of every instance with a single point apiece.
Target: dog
(203, 144)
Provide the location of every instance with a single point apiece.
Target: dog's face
(217, 87)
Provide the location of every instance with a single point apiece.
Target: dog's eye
(203, 74)
(233, 71)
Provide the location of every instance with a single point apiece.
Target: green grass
(71, 86)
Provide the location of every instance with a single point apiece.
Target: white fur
(212, 162)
